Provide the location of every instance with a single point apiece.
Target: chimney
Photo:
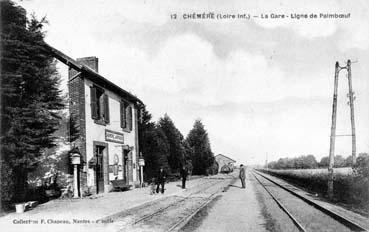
(92, 62)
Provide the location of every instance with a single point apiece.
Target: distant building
(223, 160)
(107, 119)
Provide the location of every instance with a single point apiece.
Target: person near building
(161, 180)
(242, 175)
(184, 174)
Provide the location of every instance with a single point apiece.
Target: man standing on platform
(184, 174)
(161, 180)
(242, 175)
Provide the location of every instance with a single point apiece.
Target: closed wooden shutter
(122, 114)
(106, 109)
(129, 118)
(94, 113)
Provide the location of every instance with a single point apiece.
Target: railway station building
(106, 117)
(223, 160)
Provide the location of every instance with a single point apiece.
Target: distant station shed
(224, 162)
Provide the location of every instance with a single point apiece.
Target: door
(125, 165)
(100, 169)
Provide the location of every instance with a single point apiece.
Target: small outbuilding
(223, 161)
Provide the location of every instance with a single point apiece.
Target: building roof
(94, 76)
(226, 157)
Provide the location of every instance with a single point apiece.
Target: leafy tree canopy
(202, 156)
(30, 96)
(175, 141)
(153, 145)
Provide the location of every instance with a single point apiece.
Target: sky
(261, 86)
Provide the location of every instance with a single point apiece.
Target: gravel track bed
(178, 209)
(311, 218)
(277, 220)
(164, 220)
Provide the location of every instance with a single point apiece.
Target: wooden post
(333, 133)
(75, 175)
(352, 116)
(141, 169)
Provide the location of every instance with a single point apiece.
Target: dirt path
(236, 210)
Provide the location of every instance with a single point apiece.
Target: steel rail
(294, 220)
(158, 211)
(170, 205)
(183, 221)
(156, 201)
(341, 219)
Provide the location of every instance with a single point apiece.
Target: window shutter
(122, 114)
(129, 118)
(94, 113)
(106, 109)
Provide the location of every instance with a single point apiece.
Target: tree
(362, 166)
(153, 145)
(202, 156)
(298, 162)
(348, 161)
(189, 153)
(339, 161)
(284, 163)
(175, 140)
(304, 161)
(324, 162)
(309, 161)
(30, 97)
(272, 165)
(156, 152)
(145, 124)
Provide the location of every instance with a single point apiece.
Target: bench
(120, 185)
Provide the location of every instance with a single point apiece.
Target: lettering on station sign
(113, 136)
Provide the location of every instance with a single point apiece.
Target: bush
(349, 187)
(7, 185)
(360, 184)
(362, 165)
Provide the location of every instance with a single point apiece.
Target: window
(99, 105)
(125, 115)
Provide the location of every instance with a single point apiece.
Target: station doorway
(99, 168)
(125, 166)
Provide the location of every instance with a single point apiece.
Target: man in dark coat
(242, 175)
(184, 174)
(161, 180)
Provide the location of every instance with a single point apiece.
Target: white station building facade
(106, 118)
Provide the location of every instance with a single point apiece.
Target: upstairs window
(99, 105)
(125, 115)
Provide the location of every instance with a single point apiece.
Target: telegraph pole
(333, 133)
(352, 116)
(333, 127)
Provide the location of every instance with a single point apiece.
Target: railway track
(305, 213)
(141, 219)
(176, 215)
(170, 213)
